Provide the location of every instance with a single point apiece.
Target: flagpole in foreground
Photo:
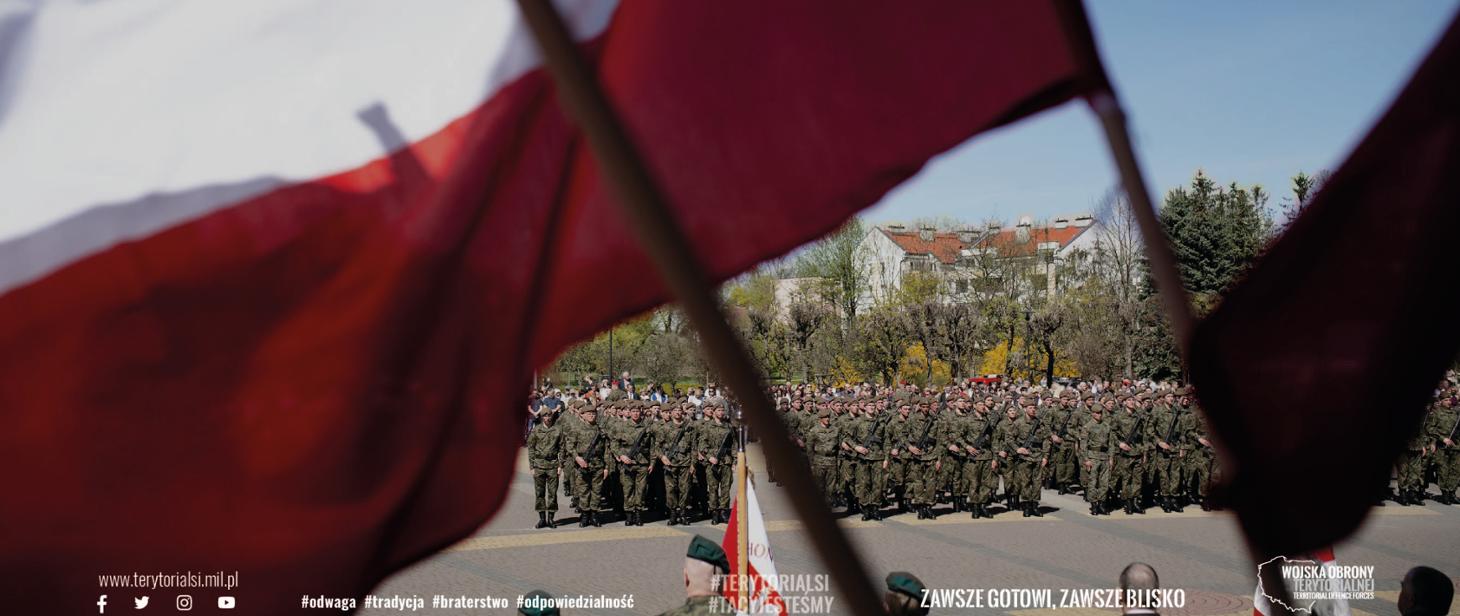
(1106, 105)
(742, 528)
(659, 235)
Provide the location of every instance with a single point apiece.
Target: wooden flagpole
(742, 526)
(1106, 105)
(659, 235)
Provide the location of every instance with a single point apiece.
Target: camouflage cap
(578, 403)
(824, 414)
(1184, 390)
(905, 583)
(708, 551)
(539, 598)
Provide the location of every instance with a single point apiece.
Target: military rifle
(595, 446)
(874, 437)
(638, 443)
(982, 442)
(1033, 432)
(1065, 427)
(1171, 430)
(1452, 430)
(678, 439)
(725, 445)
(923, 438)
(1135, 431)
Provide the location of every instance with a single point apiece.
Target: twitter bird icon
(140, 602)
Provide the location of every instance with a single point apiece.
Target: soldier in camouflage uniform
(1411, 465)
(823, 442)
(587, 447)
(1132, 428)
(1201, 457)
(570, 423)
(675, 448)
(1027, 442)
(982, 471)
(1096, 442)
(925, 458)
(1001, 440)
(719, 461)
(955, 477)
(543, 447)
(845, 421)
(869, 441)
(1445, 455)
(898, 457)
(1062, 417)
(632, 444)
(1168, 457)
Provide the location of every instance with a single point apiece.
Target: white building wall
(881, 260)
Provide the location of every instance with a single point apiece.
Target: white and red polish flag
(761, 579)
(274, 274)
(1333, 606)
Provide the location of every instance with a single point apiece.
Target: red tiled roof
(1008, 244)
(946, 247)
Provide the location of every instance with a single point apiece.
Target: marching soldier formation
(631, 459)
(879, 452)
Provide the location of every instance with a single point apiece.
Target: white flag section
(765, 595)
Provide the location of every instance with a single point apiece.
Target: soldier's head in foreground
(538, 603)
(1138, 576)
(904, 596)
(1425, 592)
(702, 562)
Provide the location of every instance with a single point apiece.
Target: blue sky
(1248, 91)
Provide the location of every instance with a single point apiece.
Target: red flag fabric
(273, 277)
(1316, 368)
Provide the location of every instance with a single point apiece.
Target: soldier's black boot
(583, 520)
(1137, 505)
(1025, 507)
(551, 523)
(1034, 508)
(541, 519)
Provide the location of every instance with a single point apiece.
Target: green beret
(538, 611)
(905, 583)
(708, 551)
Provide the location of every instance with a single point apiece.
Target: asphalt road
(1199, 552)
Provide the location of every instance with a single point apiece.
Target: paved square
(1200, 552)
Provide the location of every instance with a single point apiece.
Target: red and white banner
(274, 275)
(765, 594)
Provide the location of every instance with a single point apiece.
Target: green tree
(836, 263)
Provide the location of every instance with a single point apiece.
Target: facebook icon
(101, 605)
